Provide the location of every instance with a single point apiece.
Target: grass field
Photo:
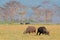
(15, 32)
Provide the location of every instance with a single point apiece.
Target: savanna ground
(15, 32)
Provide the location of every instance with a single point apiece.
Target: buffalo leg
(39, 33)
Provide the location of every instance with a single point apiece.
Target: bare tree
(37, 12)
(48, 15)
(2, 13)
(12, 8)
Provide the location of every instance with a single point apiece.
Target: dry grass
(15, 32)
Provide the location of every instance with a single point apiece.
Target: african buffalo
(42, 30)
(27, 23)
(30, 29)
(21, 23)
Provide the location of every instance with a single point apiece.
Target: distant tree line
(14, 11)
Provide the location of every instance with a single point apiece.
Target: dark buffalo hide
(42, 30)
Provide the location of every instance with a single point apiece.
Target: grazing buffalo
(30, 29)
(42, 30)
(21, 23)
(27, 23)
